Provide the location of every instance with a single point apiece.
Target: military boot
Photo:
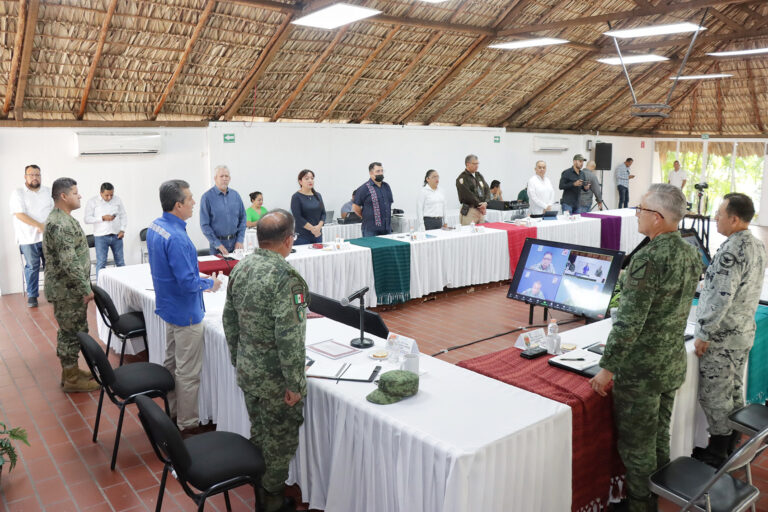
(74, 382)
(733, 442)
(82, 373)
(277, 502)
(715, 453)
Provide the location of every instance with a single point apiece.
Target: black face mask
(379, 178)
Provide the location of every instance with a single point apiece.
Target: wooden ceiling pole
(265, 59)
(303, 82)
(17, 46)
(758, 20)
(719, 92)
(567, 94)
(379, 48)
(694, 108)
(725, 20)
(96, 56)
(207, 10)
(757, 119)
(26, 56)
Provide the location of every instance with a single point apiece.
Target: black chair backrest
(347, 315)
(105, 305)
(203, 252)
(143, 235)
(165, 437)
(97, 360)
(91, 241)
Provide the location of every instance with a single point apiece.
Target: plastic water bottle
(553, 337)
(472, 228)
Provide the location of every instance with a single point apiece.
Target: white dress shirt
(431, 203)
(677, 178)
(541, 194)
(97, 207)
(36, 204)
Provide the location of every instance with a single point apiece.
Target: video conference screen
(690, 236)
(571, 278)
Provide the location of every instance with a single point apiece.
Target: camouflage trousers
(275, 431)
(72, 317)
(721, 385)
(642, 421)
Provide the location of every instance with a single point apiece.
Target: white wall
(268, 156)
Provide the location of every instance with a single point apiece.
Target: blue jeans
(34, 259)
(303, 239)
(623, 196)
(102, 245)
(567, 208)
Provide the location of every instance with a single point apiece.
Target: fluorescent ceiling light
(336, 15)
(733, 53)
(656, 30)
(633, 59)
(528, 43)
(702, 77)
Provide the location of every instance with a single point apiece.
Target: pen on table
(343, 371)
(571, 358)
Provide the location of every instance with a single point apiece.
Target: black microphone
(359, 293)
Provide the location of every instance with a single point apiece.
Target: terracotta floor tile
(30, 504)
(121, 496)
(51, 490)
(16, 485)
(41, 469)
(74, 471)
(105, 477)
(87, 494)
(141, 477)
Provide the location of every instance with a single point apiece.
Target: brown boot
(82, 373)
(74, 382)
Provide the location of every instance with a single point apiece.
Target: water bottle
(472, 228)
(553, 337)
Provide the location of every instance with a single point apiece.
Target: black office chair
(124, 384)
(213, 462)
(126, 326)
(694, 485)
(203, 252)
(143, 245)
(750, 419)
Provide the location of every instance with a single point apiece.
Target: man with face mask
(30, 206)
(373, 203)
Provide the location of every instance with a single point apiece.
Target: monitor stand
(530, 314)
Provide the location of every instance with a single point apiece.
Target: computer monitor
(690, 236)
(573, 278)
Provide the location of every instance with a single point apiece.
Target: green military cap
(578, 156)
(394, 386)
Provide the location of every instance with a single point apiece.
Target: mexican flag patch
(298, 298)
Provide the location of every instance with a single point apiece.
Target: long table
(463, 443)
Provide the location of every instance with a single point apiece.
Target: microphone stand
(362, 341)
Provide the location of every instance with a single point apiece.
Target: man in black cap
(572, 182)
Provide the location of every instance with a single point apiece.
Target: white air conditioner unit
(550, 143)
(117, 143)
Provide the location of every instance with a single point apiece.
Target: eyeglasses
(295, 236)
(640, 208)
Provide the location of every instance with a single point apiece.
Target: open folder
(582, 361)
(359, 372)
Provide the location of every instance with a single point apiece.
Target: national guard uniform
(646, 353)
(265, 324)
(473, 190)
(725, 317)
(67, 281)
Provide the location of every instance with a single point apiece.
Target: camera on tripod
(701, 186)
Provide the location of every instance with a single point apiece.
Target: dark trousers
(374, 231)
(303, 239)
(623, 196)
(33, 260)
(433, 222)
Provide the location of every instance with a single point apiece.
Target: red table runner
(516, 236)
(220, 265)
(596, 464)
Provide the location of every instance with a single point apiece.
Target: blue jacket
(175, 274)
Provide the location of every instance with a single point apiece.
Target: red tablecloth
(220, 265)
(516, 236)
(596, 463)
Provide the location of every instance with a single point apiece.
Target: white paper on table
(405, 344)
(590, 359)
(331, 369)
(535, 336)
(208, 258)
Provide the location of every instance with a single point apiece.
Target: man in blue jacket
(179, 298)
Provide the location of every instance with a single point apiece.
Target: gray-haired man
(725, 323)
(222, 215)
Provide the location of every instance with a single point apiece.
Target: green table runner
(391, 268)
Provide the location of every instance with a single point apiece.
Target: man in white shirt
(541, 193)
(677, 177)
(107, 214)
(30, 206)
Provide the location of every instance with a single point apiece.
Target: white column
(704, 158)
(762, 218)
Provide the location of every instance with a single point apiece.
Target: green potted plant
(7, 450)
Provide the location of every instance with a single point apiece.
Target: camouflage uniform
(725, 317)
(265, 324)
(67, 281)
(646, 353)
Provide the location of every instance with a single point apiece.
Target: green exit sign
(705, 136)
(229, 137)
(496, 139)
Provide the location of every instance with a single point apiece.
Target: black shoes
(31, 302)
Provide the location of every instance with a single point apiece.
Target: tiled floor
(64, 471)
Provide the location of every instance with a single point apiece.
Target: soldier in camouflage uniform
(265, 323)
(67, 282)
(725, 323)
(645, 352)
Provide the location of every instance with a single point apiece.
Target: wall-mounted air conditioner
(543, 143)
(117, 143)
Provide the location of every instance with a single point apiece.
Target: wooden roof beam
(694, 110)
(207, 10)
(758, 20)
(725, 20)
(662, 8)
(16, 61)
(264, 60)
(719, 98)
(757, 119)
(26, 56)
(562, 97)
(733, 36)
(96, 57)
(303, 82)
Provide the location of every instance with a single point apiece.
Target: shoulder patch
(461, 180)
(299, 300)
(160, 231)
(638, 272)
(727, 260)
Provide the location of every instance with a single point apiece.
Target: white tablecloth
(456, 258)
(630, 236)
(345, 231)
(688, 427)
(463, 443)
(503, 215)
(584, 231)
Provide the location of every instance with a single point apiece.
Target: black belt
(433, 217)
(228, 237)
